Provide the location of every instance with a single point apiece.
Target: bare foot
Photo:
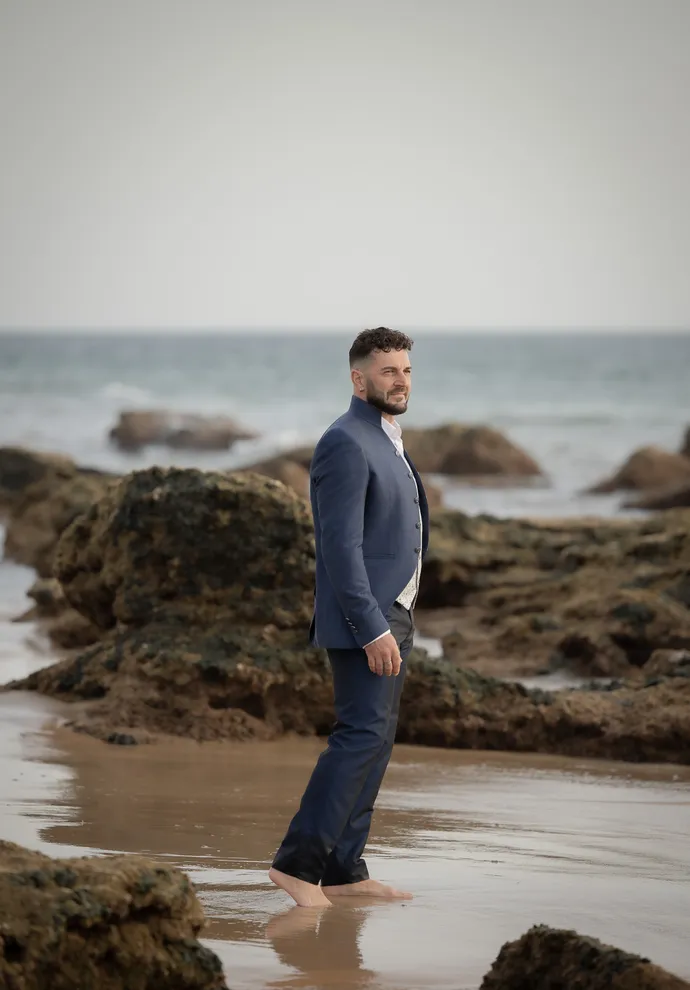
(303, 894)
(368, 888)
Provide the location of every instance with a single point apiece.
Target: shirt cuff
(377, 638)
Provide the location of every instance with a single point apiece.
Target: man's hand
(384, 656)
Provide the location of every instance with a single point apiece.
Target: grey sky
(345, 162)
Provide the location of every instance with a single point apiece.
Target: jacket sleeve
(340, 476)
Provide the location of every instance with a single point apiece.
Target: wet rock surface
(518, 598)
(553, 959)
(201, 587)
(141, 428)
(116, 923)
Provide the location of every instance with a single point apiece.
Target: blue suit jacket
(367, 529)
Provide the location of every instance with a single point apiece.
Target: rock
(284, 469)
(116, 923)
(664, 662)
(593, 597)
(301, 455)
(676, 497)
(445, 706)
(192, 546)
(434, 494)
(206, 684)
(141, 428)
(64, 626)
(468, 451)
(45, 509)
(49, 600)
(551, 959)
(685, 446)
(206, 581)
(648, 469)
(21, 468)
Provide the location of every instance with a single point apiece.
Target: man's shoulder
(344, 430)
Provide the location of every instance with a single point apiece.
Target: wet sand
(488, 843)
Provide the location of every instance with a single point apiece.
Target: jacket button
(416, 500)
(417, 549)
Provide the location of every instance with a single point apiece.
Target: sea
(580, 403)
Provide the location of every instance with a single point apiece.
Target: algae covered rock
(443, 705)
(595, 597)
(553, 959)
(116, 923)
(202, 587)
(191, 545)
(45, 510)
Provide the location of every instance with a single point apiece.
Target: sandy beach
(488, 843)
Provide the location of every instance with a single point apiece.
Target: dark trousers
(326, 838)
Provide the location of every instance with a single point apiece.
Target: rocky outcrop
(473, 452)
(216, 685)
(639, 722)
(136, 429)
(116, 923)
(45, 509)
(21, 468)
(65, 627)
(648, 469)
(468, 451)
(515, 598)
(550, 959)
(285, 469)
(201, 586)
(677, 497)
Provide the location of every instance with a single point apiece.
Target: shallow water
(488, 843)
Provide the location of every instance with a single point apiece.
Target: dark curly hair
(379, 339)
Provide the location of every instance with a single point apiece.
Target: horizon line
(340, 328)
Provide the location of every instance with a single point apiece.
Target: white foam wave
(122, 392)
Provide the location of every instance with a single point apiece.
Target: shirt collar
(394, 430)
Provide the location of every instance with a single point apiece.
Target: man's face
(386, 376)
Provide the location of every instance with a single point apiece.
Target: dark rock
(116, 923)
(675, 497)
(648, 469)
(552, 959)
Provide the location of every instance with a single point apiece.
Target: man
(371, 527)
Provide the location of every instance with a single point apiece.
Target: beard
(382, 401)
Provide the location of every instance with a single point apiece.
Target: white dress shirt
(409, 593)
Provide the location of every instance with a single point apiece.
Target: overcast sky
(345, 162)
